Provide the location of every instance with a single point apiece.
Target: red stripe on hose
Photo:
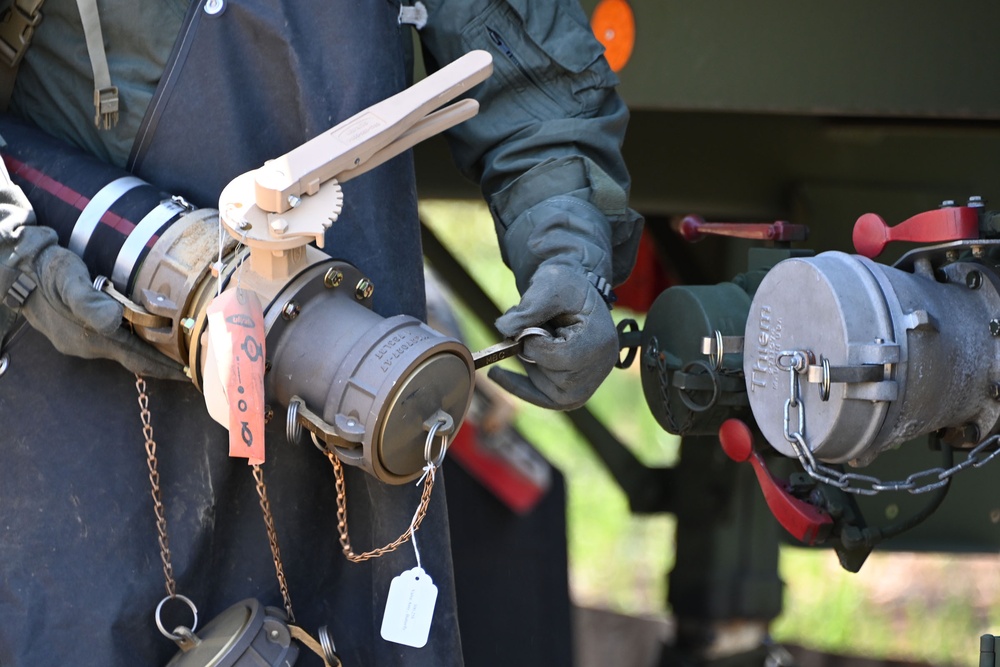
(64, 193)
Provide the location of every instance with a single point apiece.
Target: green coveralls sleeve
(546, 150)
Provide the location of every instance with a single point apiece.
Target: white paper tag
(409, 608)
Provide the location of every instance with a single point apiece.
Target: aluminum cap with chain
(845, 357)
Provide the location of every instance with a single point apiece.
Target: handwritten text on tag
(236, 328)
(409, 608)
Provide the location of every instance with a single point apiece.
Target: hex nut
(333, 278)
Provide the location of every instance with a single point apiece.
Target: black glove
(51, 287)
(560, 252)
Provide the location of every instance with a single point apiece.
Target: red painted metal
(694, 228)
(805, 522)
(952, 223)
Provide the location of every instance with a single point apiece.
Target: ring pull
(293, 429)
(329, 648)
(181, 636)
(440, 424)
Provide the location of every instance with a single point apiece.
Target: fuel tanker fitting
(860, 357)
(365, 386)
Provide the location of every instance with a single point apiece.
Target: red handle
(694, 228)
(953, 223)
(805, 522)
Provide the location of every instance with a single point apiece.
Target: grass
(921, 607)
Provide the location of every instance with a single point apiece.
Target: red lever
(805, 522)
(952, 223)
(694, 228)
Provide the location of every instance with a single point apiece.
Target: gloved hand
(560, 250)
(53, 290)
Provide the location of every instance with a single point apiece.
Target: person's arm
(51, 288)
(545, 149)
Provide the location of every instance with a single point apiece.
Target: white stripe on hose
(100, 204)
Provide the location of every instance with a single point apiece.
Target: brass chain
(345, 539)
(272, 538)
(161, 519)
(154, 481)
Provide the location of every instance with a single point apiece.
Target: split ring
(159, 621)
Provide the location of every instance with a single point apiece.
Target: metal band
(130, 251)
(100, 204)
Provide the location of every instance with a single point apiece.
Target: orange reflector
(613, 24)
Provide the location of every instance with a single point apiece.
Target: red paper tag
(236, 329)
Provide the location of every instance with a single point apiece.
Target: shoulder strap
(105, 95)
(17, 28)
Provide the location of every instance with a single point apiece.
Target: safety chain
(425, 498)
(272, 538)
(658, 362)
(795, 362)
(154, 481)
(345, 539)
(161, 519)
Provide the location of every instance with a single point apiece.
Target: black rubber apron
(80, 571)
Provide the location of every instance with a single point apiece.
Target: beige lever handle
(353, 142)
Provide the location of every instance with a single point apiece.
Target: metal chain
(154, 481)
(161, 519)
(658, 362)
(345, 539)
(865, 485)
(272, 538)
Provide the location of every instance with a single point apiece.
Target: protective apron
(79, 563)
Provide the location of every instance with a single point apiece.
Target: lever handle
(951, 223)
(805, 522)
(694, 228)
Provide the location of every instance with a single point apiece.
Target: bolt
(995, 391)
(274, 634)
(187, 324)
(294, 201)
(333, 278)
(364, 289)
(279, 226)
(268, 414)
(978, 251)
(267, 367)
(947, 203)
(995, 327)
(976, 201)
(974, 280)
(951, 255)
(290, 310)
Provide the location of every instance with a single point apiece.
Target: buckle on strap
(17, 28)
(19, 292)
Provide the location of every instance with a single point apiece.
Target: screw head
(333, 278)
(291, 310)
(365, 288)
